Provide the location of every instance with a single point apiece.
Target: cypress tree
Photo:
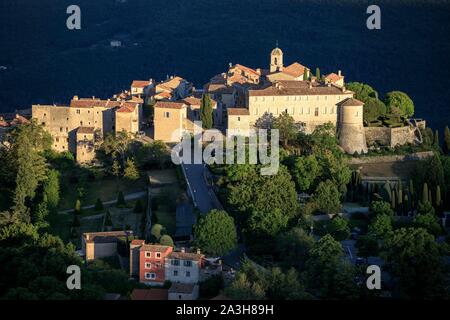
(438, 199)
(206, 112)
(77, 207)
(317, 73)
(436, 139)
(305, 74)
(446, 147)
(120, 200)
(108, 220)
(393, 202)
(425, 193)
(98, 205)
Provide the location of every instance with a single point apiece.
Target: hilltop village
(360, 182)
(241, 98)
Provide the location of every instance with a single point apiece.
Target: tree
(416, 263)
(206, 111)
(267, 223)
(130, 171)
(436, 143)
(398, 102)
(40, 213)
(381, 226)
(98, 205)
(362, 91)
(116, 144)
(338, 228)
(242, 289)
(215, 233)
(248, 191)
(367, 246)
(327, 197)
(428, 220)
(306, 170)
(381, 208)
(317, 73)
(78, 208)
(286, 126)
(293, 246)
(166, 240)
(51, 189)
(425, 193)
(138, 207)
(305, 74)
(446, 147)
(373, 109)
(116, 168)
(157, 231)
(328, 276)
(108, 220)
(121, 200)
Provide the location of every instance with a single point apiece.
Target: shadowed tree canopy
(400, 103)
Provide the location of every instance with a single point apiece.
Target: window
(57, 139)
(316, 112)
(175, 273)
(175, 262)
(187, 263)
(148, 254)
(78, 111)
(166, 114)
(45, 114)
(188, 273)
(158, 255)
(148, 265)
(43, 123)
(150, 276)
(239, 118)
(81, 123)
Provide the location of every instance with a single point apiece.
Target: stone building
(101, 116)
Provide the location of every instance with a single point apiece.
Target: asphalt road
(201, 192)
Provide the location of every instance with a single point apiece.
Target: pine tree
(206, 112)
(121, 200)
(425, 193)
(317, 73)
(446, 147)
(98, 205)
(116, 168)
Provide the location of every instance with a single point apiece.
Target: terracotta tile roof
(19, 120)
(219, 88)
(137, 242)
(246, 69)
(186, 256)
(191, 101)
(154, 248)
(177, 287)
(295, 69)
(169, 105)
(351, 102)
(287, 88)
(238, 112)
(3, 123)
(127, 107)
(140, 83)
(86, 130)
(333, 77)
(90, 103)
(150, 294)
(164, 94)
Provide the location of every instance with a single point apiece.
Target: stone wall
(381, 159)
(389, 136)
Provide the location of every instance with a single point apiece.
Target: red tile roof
(169, 105)
(351, 102)
(333, 77)
(140, 83)
(238, 112)
(295, 69)
(154, 248)
(150, 294)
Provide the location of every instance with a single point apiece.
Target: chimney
(75, 98)
(310, 85)
(339, 73)
(93, 97)
(183, 250)
(198, 251)
(230, 64)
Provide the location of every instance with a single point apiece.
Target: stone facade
(62, 122)
(390, 137)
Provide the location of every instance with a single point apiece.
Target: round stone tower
(351, 128)
(276, 60)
